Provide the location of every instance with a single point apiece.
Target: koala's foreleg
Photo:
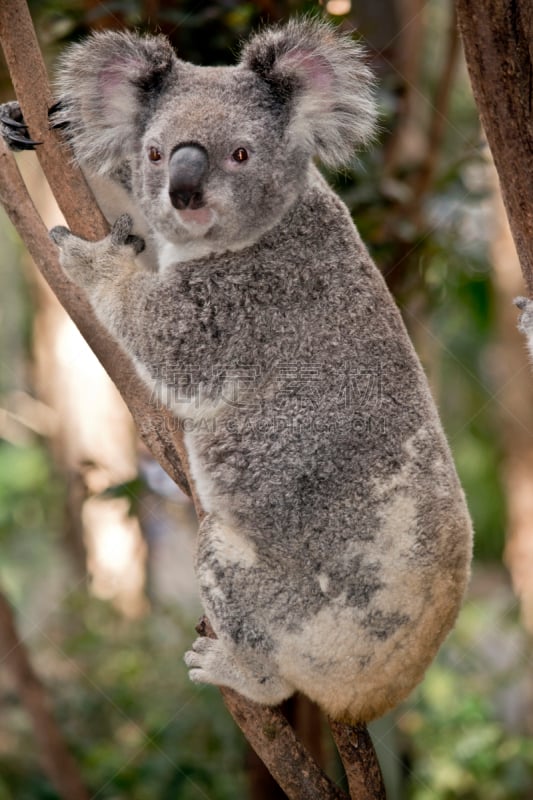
(107, 271)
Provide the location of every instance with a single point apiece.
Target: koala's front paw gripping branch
(265, 728)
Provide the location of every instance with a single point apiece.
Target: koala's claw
(58, 116)
(13, 129)
(121, 234)
(12, 123)
(59, 234)
(137, 242)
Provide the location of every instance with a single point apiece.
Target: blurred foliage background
(96, 544)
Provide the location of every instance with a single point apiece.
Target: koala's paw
(88, 263)
(525, 321)
(210, 661)
(13, 129)
(77, 255)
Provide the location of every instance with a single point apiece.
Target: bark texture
(356, 750)
(498, 43)
(306, 781)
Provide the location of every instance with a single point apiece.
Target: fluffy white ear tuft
(106, 85)
(323, 75)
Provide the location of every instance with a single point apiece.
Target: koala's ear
(108, 85)
(322, 74)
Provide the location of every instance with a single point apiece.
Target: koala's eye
(240, 155)
(154, 154)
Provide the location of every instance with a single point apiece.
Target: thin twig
(497, 36)
(357, 752)
(439, 119)
(404, 63)
(304, 780)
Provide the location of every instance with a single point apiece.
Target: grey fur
(525, 321)
(336, 547)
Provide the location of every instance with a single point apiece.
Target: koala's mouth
(197, 218)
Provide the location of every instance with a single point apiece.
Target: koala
(335, 548)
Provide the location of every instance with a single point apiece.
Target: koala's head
(217, 153)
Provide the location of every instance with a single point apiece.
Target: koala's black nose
(187, 170)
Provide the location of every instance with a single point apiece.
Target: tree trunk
(498, 43)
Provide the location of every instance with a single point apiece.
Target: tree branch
(265, 728)
(498, 43)
(357, 752)
(30, 81)
(437, 125)
(304, 780)
(299, 776)
(57, 760)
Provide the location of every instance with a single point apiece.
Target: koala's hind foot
(210, 661)
(243, 657)
(89, 263)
